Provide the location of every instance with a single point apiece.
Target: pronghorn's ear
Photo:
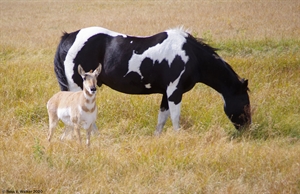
(98, 70)
(81, 71)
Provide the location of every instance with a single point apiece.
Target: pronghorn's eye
(84, 78)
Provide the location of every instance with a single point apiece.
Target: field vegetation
(260, 39)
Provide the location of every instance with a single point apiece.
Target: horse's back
(131, 64)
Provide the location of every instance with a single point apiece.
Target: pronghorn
(75, 109)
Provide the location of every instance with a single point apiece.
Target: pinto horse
(169, 63)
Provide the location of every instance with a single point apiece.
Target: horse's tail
(59, 68)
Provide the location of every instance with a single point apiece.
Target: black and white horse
(169, 63)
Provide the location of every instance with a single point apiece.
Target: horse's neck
(221, 78)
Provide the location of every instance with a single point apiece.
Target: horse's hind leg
(163, 115)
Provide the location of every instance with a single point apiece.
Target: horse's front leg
(174, 101)
(163, 115)
(175, 114)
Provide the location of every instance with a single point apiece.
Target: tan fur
(76, 109)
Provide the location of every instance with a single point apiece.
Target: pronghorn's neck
(88, 103)
(88, 95)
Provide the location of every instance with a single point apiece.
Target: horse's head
(237, 106)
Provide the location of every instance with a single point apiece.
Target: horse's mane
(213, 51)
(202, 42)
(196, 40)
(199, 42)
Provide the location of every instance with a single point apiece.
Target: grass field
(260, 39)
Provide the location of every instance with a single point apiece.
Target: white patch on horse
(174, 108)
(173, 85)
(167, 50)
(148, 86)
(81, 38)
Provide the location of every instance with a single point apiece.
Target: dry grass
(260, 39)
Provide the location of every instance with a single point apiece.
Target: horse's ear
(245, 84)
(81, 71)
(98, 70)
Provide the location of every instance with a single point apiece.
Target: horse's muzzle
(246, 119)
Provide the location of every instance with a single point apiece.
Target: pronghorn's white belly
(64, 115)
(87, 118)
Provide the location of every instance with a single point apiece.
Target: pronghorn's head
(89, 79)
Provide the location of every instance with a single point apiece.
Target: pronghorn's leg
(163, 115)
(53, 120)
(95, 130)
(68, 133)
(174, 100)
(88, 134)
(77, 131)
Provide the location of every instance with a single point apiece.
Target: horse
(168, 63)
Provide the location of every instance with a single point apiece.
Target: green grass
(209, 155)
